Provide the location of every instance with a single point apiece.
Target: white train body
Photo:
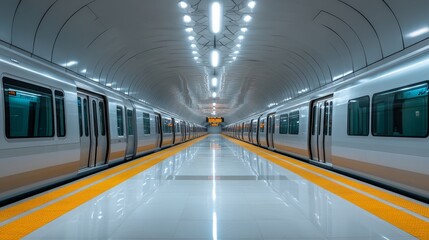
(55, 126)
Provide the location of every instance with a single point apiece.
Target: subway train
(373, 126)
(56, 126)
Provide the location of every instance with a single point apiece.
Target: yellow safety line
(24, 225)
(403, 220)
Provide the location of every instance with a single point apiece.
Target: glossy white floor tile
(218, 190)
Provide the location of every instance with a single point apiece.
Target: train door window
(28, 110)
(60, 113)
(330, 117)
(146, 123)
(313, 120)
(177, 127)
(358, 117)
(262, 126)
(79, 108)
(401, 112)
(284, 123)
(85, 116)
(120, 120)
(94, 111)
(102, 118)
(130, 128)
(294, 122)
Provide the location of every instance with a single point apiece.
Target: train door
(92, 128)
(321, 129)
(270, 130)
(158, 129)
(131, 138)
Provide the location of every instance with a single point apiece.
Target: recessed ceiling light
(214, 57)
(236, 52)
(214, 104)
(251, 4)
(215, 17)
(214, 82)
(83, 71)
(193, 45)
(69, 64)
(187, 18)
(243, 29)
(238, 45)
(184, 5)
(194, 52)
(196, 58)
(189, 29)
(108, 84)
(214, 94)
(241, 37)
(247, 18)
(191, 38)
(234, 58)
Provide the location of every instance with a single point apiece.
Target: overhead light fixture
(251, 4)
(214, 104)
(247, 18)
(213, 113)
(193, 45)
(418, 32)
(241, 37)
(196, 58)
(236, 52)
(108, 84)
(214, 57)
(187, 19)
(238, 45)
(243, 29)
(194, 52)
(191, 38)
(189, 29)
(83, 71)
(214, 94)
(215, 17)
(214, 82)
(69, 64)
(183, 4)
(234, 58)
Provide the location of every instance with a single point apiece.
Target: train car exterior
(56, 126)
(373, 125)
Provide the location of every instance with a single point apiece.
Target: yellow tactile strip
(26, 224)
(403, 220)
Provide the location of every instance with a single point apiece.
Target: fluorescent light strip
(214, 57)
(216, 18)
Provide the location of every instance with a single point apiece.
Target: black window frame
(368, 120)
(28, 86)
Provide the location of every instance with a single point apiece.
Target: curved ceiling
(140, 47)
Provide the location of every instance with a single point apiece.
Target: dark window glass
(60, 113)
(130, 128)
(313, 120)
(120, 120)
(85, 116)
(177, 127)
(330, 117)
(94, 113)
(326, 118)
(262, 126)
(28, 110)
(167, 126)
(294, 122)
(102, 118)
(79, 108)
(358, 117)
(254, 126)
(146, 123)
(284, 124)
(401, 112)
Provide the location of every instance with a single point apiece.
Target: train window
(294, 122)
(401, 112)
(167, 126)
(146, 123)
(94, 116)
(130, 128)
(284, 122)
(28, 110)
(262, 126)
(85, 116)
(79, 107)
(330, 118)
(313, 120)
(120, 120)
(358, 117)
(60, 113)
(102, 118)
(177, 127)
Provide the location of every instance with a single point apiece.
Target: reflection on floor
(218, 190)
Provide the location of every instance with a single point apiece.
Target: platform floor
(216, 188)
